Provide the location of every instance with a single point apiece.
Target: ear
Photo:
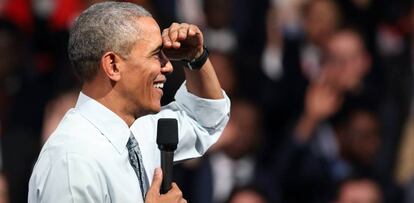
(111, 66)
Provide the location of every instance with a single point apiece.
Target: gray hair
(103, 27)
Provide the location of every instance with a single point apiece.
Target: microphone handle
(167, 170)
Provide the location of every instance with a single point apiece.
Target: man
(107, 141)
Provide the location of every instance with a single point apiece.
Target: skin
(125, 85)
(321, 102)
(247, 197)
(346, 65)
(4, 197)
(361, 138)
(347, 61)
(321, 21)
(364, 191)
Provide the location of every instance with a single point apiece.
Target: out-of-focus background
(322, 96)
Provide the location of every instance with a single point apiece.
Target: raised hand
(321, 101)
(182, 41)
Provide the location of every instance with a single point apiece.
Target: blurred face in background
(360, 191)
(242, 133)
(247, 196)
(223, 65)
(9, 53)
(360, 138)
(362, 4)
(346, 61)
(321, 19)
(218, 13)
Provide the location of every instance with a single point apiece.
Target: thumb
(156, 181)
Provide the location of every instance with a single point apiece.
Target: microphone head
(167, 134)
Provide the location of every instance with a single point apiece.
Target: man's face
(321, 21)
(346, 60)
(143, 70)
(364, 136)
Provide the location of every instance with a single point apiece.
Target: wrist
(310, 117)
(198, 62)
(305, 128)
(199, 52)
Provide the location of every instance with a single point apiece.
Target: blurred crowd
(322, 96)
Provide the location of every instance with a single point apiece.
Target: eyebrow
(157, 49)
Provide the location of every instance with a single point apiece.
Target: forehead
(150, 33)
(345, 42)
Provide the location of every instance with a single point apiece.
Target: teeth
(159, 85)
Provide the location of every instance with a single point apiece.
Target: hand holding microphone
(174, 195)
(162, 189)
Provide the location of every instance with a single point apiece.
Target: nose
(166, 66)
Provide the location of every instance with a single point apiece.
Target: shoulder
(74, 135)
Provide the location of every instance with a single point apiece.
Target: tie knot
(132, 142)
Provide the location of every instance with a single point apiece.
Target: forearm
(305, 127)
(204, 83)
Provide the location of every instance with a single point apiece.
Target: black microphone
(167, 140)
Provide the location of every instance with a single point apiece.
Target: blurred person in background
(409, 191)
(247, 194)
(10, 67)
(333, 137)
(346, 61)
(291, 59)
(395, 45)
(233, 159)
(55, 110)
(310, 167)
(405, 165)
(359, 190)
(224, 65)
(230, 163)
(215, 18)
(22, 96)
(218, 31)
(4, 189)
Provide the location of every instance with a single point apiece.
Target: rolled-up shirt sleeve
(200, 121)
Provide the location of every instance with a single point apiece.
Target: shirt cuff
(207, 112)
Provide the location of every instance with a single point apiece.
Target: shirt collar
(107, 122)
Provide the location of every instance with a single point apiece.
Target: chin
(154, 109)
(157, 110)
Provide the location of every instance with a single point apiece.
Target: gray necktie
(135, 159)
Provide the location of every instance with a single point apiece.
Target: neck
(104, 93)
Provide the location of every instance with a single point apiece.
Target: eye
(157, 55)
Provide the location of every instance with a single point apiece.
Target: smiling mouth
(159, 85)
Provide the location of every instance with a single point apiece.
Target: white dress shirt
(86, 159)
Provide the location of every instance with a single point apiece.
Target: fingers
(166, 38)
(153, 195)
(176, 33)
(175, 193)
(156, 182)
